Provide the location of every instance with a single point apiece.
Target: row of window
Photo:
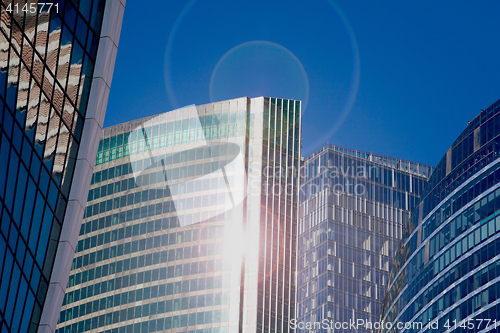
(408, 166)
(458, 226)
(142, 277)
(337, 255)
(142, 229)
(144, 260)
(346, 201)
(166, 191)
(158, 193)
(154, 325)
(345, 270)
(198, 170)
(342, 297)
(156, 241)
(322, 248)
(467, 194)
(340, 274)
(481, 255)
(172, 127)
(436, 191)
(140, 244)
(336, 165)
(466, 145)
(360, 187)
(145, 144)
(361, 217)
(334, 311)
(462, 306)
(155, 306)
(171, 206)
(136, 328)
(212, 151)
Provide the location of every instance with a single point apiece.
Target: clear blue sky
(391, 77)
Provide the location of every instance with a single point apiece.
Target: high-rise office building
(191, 223)
(353, 206)
(447, 274)
(56, 64)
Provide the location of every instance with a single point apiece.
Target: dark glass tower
(447, 274)
(191, 223)
(353, 208)
(56, 63)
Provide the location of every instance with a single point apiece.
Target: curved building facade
(353, 206)
(446, 276)
(56, 65)
(188, 227)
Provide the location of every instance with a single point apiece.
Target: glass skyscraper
(56, 63)
(353, 206)
(191, 223)
(447, 274)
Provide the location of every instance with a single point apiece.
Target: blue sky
(390, 77)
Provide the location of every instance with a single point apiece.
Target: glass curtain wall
(179, 226)
(353, 207)
(48, 52)
(447, 271)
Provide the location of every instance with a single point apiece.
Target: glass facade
(189, 226)
(446, 274)
(353, 206)
(48, 56)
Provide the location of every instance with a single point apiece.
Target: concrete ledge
(92, 130)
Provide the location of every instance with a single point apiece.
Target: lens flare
(259, 68)
(224, 64)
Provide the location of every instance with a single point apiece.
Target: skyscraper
(353, 206)
(191, 223)
(446, 276)
(56, 64)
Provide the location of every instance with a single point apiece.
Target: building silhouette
(446, 274)
(191, 223)
(353, 206)
(56, 64)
